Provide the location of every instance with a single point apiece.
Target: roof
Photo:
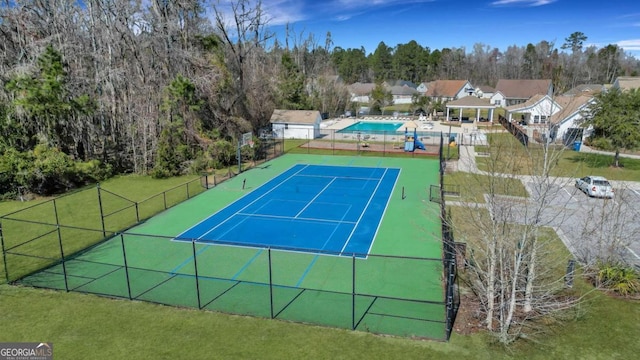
(362, 88)
(295, 116)
(529, 103)
(523, 88)
(585, 89)
(402, 90)
(445, 88)
(486, 89)
(570, 105)
(627, 82)
(409, 125)
(401, 83)
(471, 102)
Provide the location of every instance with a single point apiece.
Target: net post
(4, 255)
(126, 267)
(270, 282)
(64, 267)
(137, 213)
(195, 268)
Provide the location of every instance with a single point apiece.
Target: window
(539, 119)
(286, 126)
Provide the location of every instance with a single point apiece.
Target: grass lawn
(510, 156)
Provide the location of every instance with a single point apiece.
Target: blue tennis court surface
(316, 208)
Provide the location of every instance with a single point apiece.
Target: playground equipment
(411, 141)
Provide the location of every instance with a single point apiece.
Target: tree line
(95, 87)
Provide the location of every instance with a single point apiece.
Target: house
(402, 94)
(360, 92)
(296, 124)
(567, 122)
(446, 90)
(623, 83)
(557, 118)
(512, 92)
(485, 92)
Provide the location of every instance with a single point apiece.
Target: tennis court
(331, 209)
(349, 242)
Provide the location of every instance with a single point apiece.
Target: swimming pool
(372, 126)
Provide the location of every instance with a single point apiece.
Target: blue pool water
(370, 126)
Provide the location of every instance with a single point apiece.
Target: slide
(408, 146)
(420, 145)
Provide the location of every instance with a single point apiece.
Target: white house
(567, 122)
(296, 124)
(557, 119)
(535, 111)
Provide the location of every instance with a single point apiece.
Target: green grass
(510, 156)
(80, 324)
(472, 185)
(80, 212)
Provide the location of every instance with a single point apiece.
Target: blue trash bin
(576, 145)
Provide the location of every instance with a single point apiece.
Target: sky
(439, 24)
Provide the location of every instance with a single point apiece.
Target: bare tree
(515, 264)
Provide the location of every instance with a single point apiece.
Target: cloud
(522, 2)
(629, 45)
(290, 11)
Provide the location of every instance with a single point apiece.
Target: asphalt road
(590, 227)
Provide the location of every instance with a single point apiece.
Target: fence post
(64, 267)
(126, 266)
(164, 199)
(195, 267)
(104, 233)
(353, 291)
(4, 255)
(270, 282)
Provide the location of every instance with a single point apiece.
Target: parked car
(596, 186)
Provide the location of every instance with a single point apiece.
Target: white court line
(315, 197)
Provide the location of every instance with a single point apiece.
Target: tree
(514, 270)
(574, 41)
(292, 92)
(615, 119)
(380, 97)
(381, 62)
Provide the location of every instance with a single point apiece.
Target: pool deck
(341, 123)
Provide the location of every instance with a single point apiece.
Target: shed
(296, 124)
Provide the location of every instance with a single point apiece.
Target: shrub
(621, 279)
(601, 143)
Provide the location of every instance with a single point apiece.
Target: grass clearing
(508, 155)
